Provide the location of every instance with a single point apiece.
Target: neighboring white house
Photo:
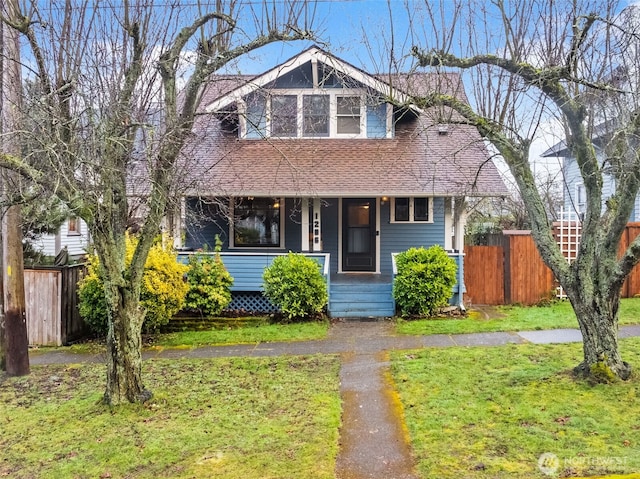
(574, 191)
(73, 234)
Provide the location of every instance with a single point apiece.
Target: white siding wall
(76, 243)
(573, 179)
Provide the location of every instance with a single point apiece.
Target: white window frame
(411, 210)
(333, 115)
(76, 229)
(297, 114)
(232, 236)
(302, 113)
(333, 106)
(581, 194)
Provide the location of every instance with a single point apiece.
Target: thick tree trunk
(124, 352)
(16, 340)
(598, 320)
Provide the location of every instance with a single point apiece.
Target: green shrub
(162, 292)
(424, 281)
(295, 285)
(209, 284)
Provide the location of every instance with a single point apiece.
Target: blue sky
(340, 25)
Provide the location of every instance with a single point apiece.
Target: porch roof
(419, 160)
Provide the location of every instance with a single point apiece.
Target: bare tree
(106, 72)
(530, 61)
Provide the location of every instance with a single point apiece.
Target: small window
(581, 198)
(316, 115)
(256, 222)
(284, 116)
(256, 118)
(73, 226)
(348, 115)
(412, 210)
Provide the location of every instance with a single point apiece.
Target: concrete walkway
(373, 437)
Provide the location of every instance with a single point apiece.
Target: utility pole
(16, 343)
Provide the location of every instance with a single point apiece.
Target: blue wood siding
(292, 226)
(398, 237)
(247, 268)
(377, 121)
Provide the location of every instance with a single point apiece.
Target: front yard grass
(222, 418)
(512, 318)
(239, 331)
(222, 331)
(492, 412)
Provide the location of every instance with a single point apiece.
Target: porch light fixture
(384, 199)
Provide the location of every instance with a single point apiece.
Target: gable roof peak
(312, 54)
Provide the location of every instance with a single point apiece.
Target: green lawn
(222, 418)
(513, 318)
(492, 412)
(233, 331)
(225, 331)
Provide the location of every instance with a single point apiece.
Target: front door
(358, 234)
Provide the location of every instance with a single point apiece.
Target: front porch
(351, 295)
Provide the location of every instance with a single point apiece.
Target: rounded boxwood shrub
(162, 292)
(294, 284)
(209, 284)
(424, 281)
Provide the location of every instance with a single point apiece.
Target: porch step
(355, 300)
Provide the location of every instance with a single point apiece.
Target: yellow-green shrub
(294, 283)
(162, 292)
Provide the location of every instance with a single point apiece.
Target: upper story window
(307, 113)
(348, 115)
(315, 120)
(412, 210)
(284, 115)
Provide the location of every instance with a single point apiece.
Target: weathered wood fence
(51, 299)
(510, 270)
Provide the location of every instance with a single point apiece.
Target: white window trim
(78, 227)
(300, 92)
(412, 219)
(232, 236)
(580, 206)
(333, 116)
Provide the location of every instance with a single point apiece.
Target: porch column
(317, 226)
(304, 224)
(460, 220)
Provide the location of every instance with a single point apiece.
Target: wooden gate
(51, 299)
(484, 274)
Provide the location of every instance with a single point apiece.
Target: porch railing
(247, 268)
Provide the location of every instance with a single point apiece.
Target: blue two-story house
(319, 157)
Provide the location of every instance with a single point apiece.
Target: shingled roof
(423, 158)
